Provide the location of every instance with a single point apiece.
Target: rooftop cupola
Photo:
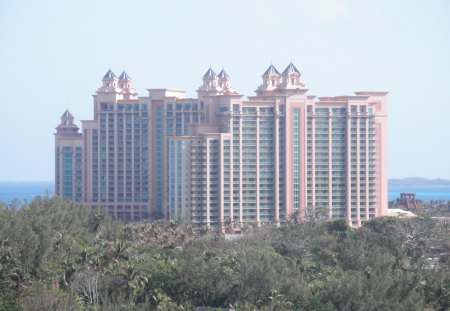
(223, 75)
(210, 81)
(67, 118)
(114, 88)
(291, 69)
(291, 78)
(271, 71)
(224, 82)
(124, 81)
(210, 74)
(126, 84)
(109, 75)
(271, 79)
(67, 127)
(124, 76)
(110, 82)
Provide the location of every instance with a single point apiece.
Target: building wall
(251, 167)
(69, 167)
(120, 159)
(171, 115)
(180, 178)
(342, 159)
(279, 154)
(222, 162)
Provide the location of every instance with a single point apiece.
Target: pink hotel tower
(219, 160)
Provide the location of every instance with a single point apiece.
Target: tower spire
(67, 126)
(109, 75)
(124, 76)
(291, 78)
(209, 74)
(271, 71)
(290, 69)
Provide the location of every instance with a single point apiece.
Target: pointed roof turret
(124, 76)
(224, 75)
(291, 68)
(67, 127)
(109, 75)
(126, 86)
(67, 114)
(271, 71)
(209, 74)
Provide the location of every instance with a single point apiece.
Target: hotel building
(219, 160)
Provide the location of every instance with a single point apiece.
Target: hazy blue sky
(53, 55)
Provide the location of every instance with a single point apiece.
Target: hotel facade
(221, 161)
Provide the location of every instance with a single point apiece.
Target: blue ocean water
(424, 193)
(26, 191)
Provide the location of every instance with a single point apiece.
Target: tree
(7, 298)
(85, 285)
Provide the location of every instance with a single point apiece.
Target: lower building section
(265, 162)
(123, 212)
(68, 159)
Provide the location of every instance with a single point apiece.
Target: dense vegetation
(435, 208)
(56, 255)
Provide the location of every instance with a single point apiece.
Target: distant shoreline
(418, 182)
(424, 189)
(24, 190)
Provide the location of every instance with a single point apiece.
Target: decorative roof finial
(209, 74)
(291, 68)
(223, 74)
(109, 75)
(124, 76)
(271, 70)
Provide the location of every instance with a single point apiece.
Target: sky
(54, 53)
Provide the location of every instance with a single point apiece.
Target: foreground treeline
(55, 255)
